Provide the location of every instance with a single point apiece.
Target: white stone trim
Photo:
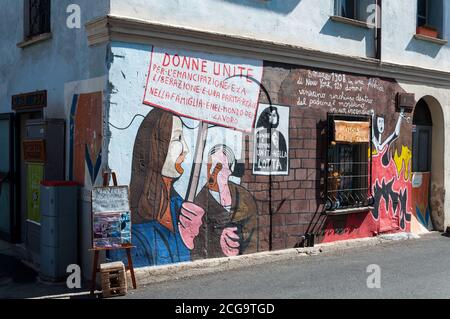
(353, 22)
(36, 39)
(430, 39)
(125, 29)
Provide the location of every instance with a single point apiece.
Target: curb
(158, 274)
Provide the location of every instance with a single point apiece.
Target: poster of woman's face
(271, 140)
(274, 118)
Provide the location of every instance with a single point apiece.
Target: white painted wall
(304, 23)
(85, 235)
(58, 65)
(437, 98)
(296, 22)
(399, 44)
(66, 57)
(48, 65)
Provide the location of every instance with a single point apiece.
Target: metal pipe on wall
(378, 43)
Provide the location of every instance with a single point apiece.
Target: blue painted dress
(155, 244)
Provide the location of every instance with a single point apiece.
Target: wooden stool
(113, 279)
(95, 268)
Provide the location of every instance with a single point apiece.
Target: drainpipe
(379, 15)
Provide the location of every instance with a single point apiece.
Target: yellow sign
(351, 131)
(35, 174)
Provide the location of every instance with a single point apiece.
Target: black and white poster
(271, 152)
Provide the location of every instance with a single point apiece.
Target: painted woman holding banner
(163, 225)
(231, 211)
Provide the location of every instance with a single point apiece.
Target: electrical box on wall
(405, 101)
(48, 138)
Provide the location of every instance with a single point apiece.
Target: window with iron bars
(349, 169)
(38, 17)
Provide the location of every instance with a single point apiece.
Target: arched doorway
(427, 166)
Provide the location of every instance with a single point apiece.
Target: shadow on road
(18, 281)
(12, 269)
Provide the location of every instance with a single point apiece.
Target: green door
(6, 176)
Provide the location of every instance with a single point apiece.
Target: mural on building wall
(86, 137)
(403, 162)
(203, 198)
(420, 197)
(174, 220)
(316, 93)
(157, 209)
(391, 178)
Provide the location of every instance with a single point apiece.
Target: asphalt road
(408, 269)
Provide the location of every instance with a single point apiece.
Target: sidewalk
(150, 275)
(18, 281)
(405, 269)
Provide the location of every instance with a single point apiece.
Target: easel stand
(95, 268)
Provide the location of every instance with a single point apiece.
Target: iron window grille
(38, 17)
(349, 169)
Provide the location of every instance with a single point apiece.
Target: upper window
(430, 17)
(353, 9)
(346, 8)
(38, 17)
(422, 12)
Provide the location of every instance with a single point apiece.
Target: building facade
(239, 125)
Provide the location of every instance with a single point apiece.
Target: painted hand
(229, 241)
(189, 224)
